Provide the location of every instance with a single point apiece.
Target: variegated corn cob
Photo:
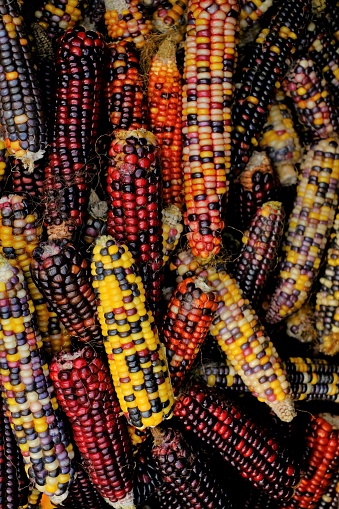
(313, 104)
(21, 114)
(260, 245)
(170, 16)
(185, 325)
(171, 230)
(136, 357)
(126, 20)
(280, 141)
(301, 325)
(185, 472)
(264, 66)
(63, 277)
(57, 16)
(330, 498)
(310, 379)
(85, 392)
(4, 166)
(327, 300)
(251, 12)
(164, 94)
(28, 392)
(308, 228)
(210, 60)
(251, 449)
(256, 185)
(137, 436)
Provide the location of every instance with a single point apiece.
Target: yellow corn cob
(171, 230)
(125, 19)
(301, 325)
(136, 357)
(308, 229)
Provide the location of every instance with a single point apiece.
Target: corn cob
(250, 448)
(136, 357)
(332, 19)
(185, 472)
(137, 436)
(82, 493)
(322, 465)
(185, 325)
(171, 230)
(310, 379)
(210, 60)
(94, 14)
(280, 141)
(263, 69)
(123, 89)
(33, 500)
(126, 20)
(330, 498)
(251, 12)
(308, 228)
(165, 104)
(312, 101)
(57, 16)
(168, 499)
(301, 325)
(76, 117)
(27, 390)
(86, 394)
(134, 205)
(62, 276)
(28, 181)
(170, 17)
(147, 478)
(21, 115)
(4, 166)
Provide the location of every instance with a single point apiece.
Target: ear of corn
(136, 357)
(83, 494)
(27, 390)
(147, 478)
(185, 325)
(251, 12)
(4, 164)
(126, 20)
(330, 498)
(308, 228)
(260, 245)
(170, 17)
(250, 448)
(33, 500)
(86, 394)
(27, 180)
(172, 229)
(57, 16)
(301, 325)
(165, 104)
(210, 60)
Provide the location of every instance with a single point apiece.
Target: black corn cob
(167, 499)
(147, 478)
(82, 493)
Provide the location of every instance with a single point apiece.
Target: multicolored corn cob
(264, 67)
(63, 277)
(332, 9)
(134, 205)
(170, 17)
(76, 116)
(251, 12)
(185, 472)
(126, 20)
(330, 498)
(172, 229)
(137, 436)
(21, 115)
(250, 448)
(85, 392)
(28, 392)
(4, 166)
(185, 325)
(164, 94)
(310, 379)
(280, 141)
(322, 465)
(123, 89)
(136, 357)
(301, 325)
(313, 104)
(33, 500)
(258, 254)
(28, 181)
(210, 60)
(308, 228)
(57, 16)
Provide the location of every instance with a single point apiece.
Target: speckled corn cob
(251, 11)
(171, 230)
(62, 275)
(280, 141)
(210, 60)
(256, 185)
(250, 448)
(260, 245)
(85, 392)
(126, 19)
(301, 325)
(308, 228)
(57, 16)
(313, 104)
(185, 325)
(136, 357)
(28, 392)
(260, 75)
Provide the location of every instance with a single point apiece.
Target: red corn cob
(134, 206)
(330, 498)
(62, 276)
(251, 449)
(86, 394)
(185, 325)
(76, 116)
(25, 180)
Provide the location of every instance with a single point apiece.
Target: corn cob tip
(97, 208)
(29, 158)
(330, 418)
(301, 325)
(284, 409)
(124, 503)
(287, 174)
(201, 283)
(6, 270)
(59, 231)
(171, 216)
(58, 499)
(204, 261)
(329, 344)
(122, 134)
(158, 436)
